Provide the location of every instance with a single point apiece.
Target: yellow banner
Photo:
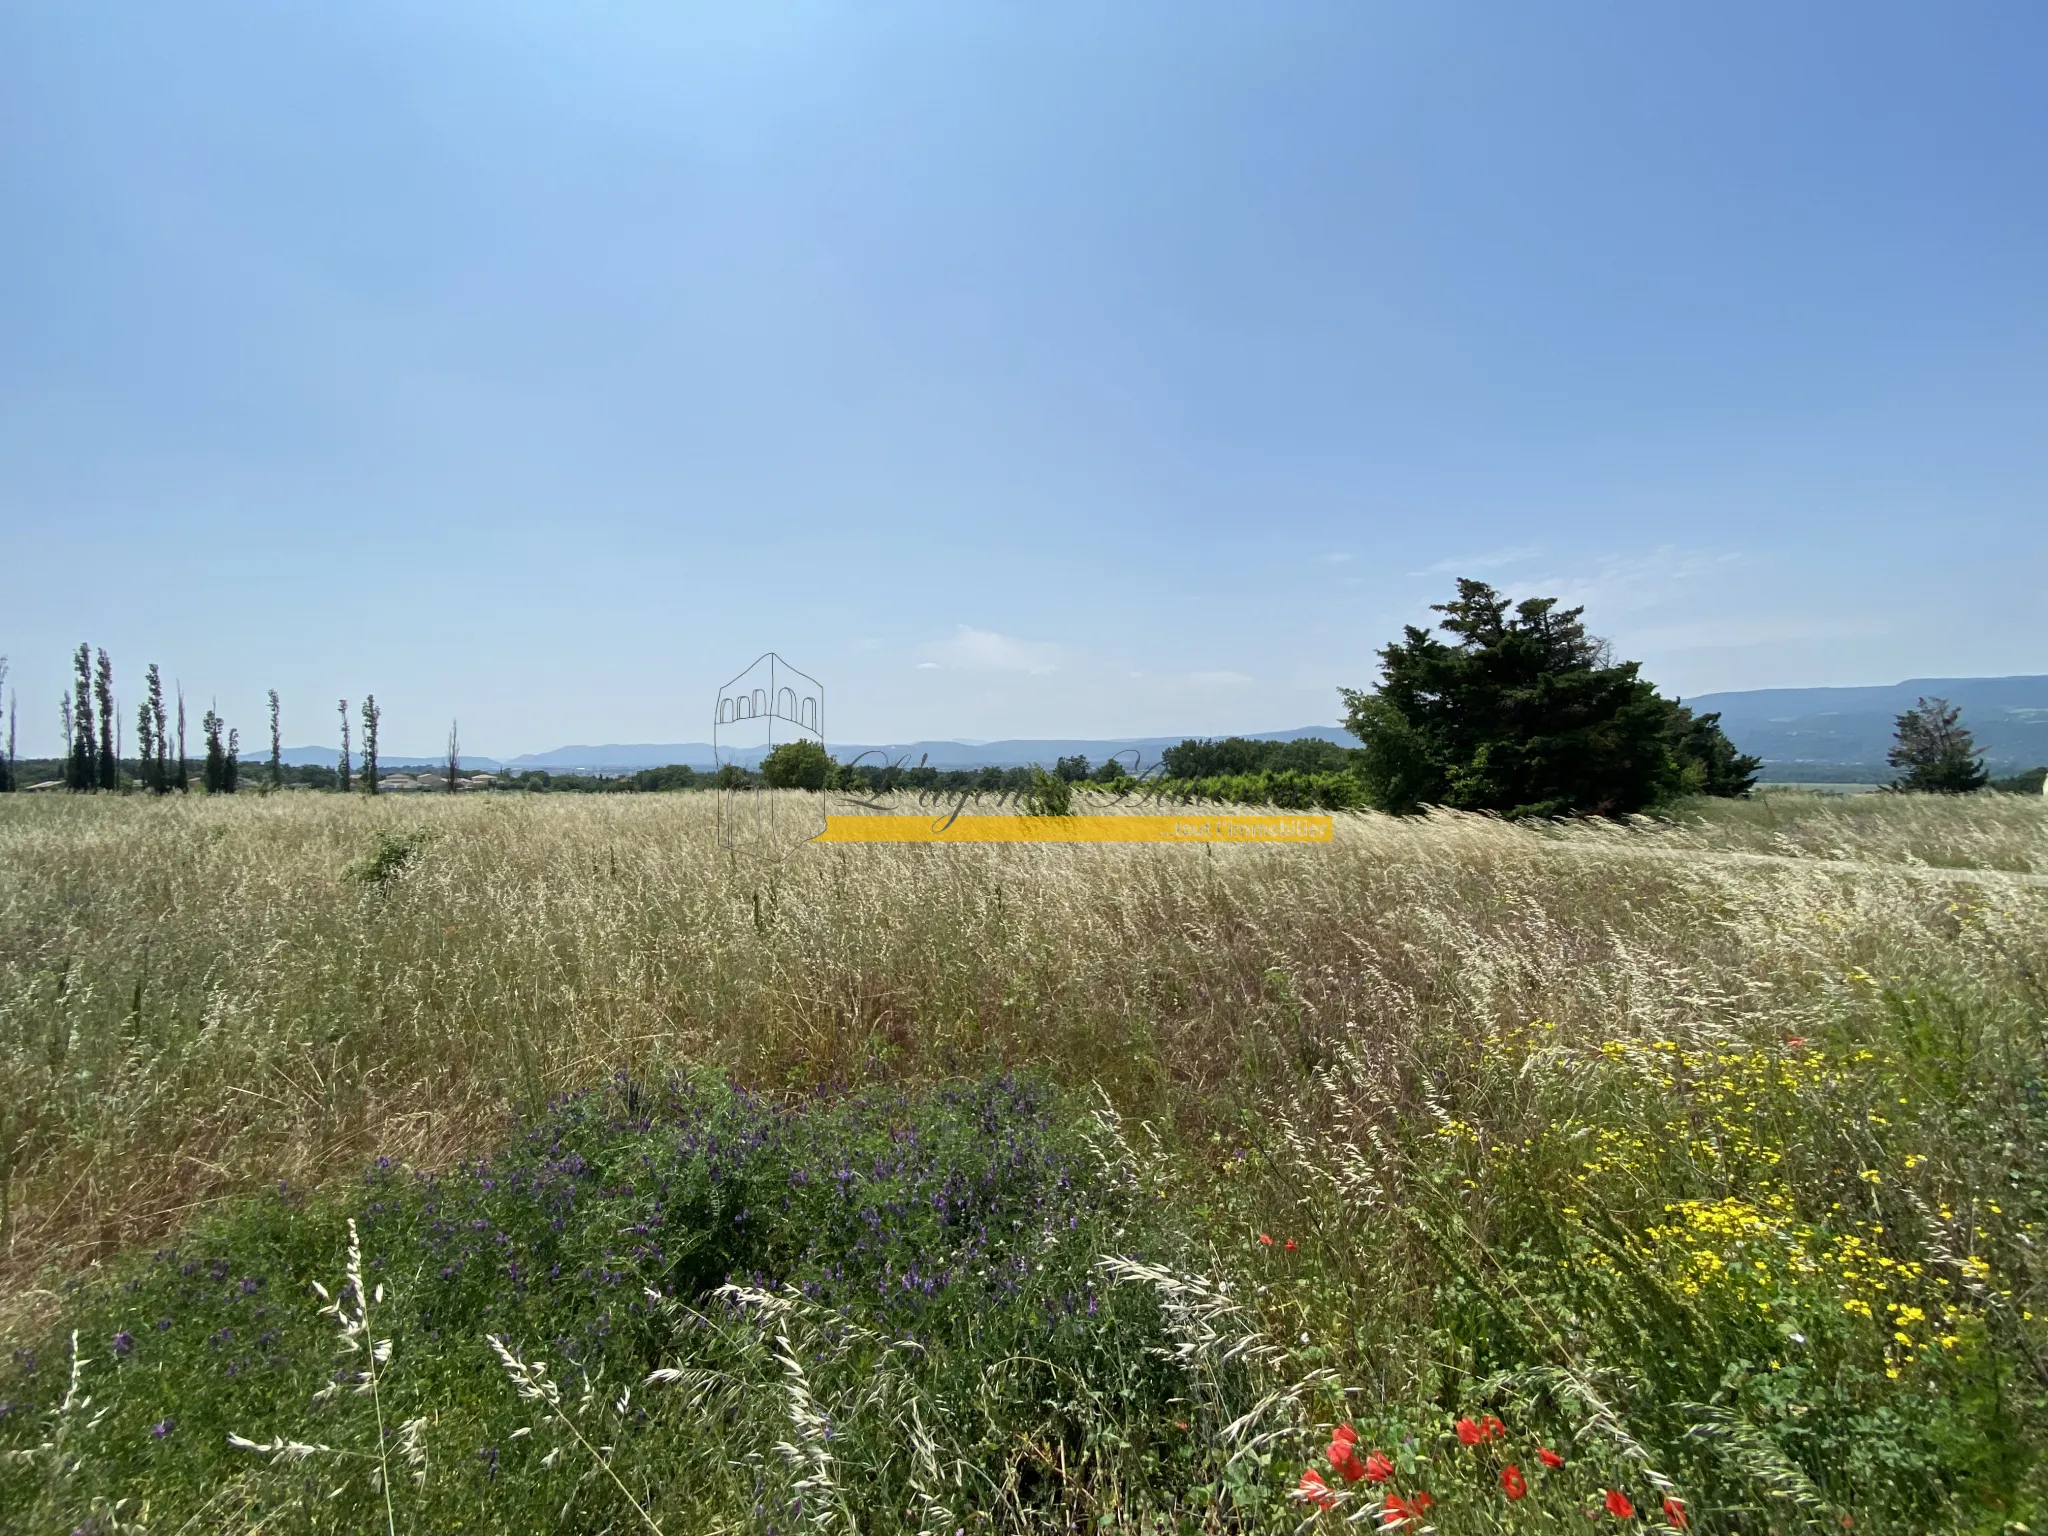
(1204, 827)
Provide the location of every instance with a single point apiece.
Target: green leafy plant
(1050, 794)
(391, 856)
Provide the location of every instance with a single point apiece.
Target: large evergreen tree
(82, 770)
(1936, 750)
(108, 774)
(1520, 712)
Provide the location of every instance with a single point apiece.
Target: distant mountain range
(1802, 733)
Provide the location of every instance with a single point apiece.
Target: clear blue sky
(1017, 369)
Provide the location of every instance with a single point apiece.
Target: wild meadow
(532, 1163)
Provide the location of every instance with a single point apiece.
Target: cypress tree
(454, 753)
(231, 774)
(344, 746)
(82, 769)
(12, 700)
(371, 715)
(103, 694)
(183, 781)
(276, 747)
(6, 757)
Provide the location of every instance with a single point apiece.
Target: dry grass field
(1709, 1154)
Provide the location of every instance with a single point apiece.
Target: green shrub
(1050, 794)
(797, 765)
(1287, 790)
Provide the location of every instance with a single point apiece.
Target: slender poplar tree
(454, 753)
(82, 771)
(344, 747)
(184, 779)
(145, 745)
(276, 746)
(214, 774)
(6, 757)
(371, 715)
(231, 771)
(12, 700)
(158, 769)
(103, 695)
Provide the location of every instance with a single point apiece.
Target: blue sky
(1018, 370)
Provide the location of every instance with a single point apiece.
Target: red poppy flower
(1492, 1428)
(1469, 1433)
(1288, 1245)
(1344, 1432)
(1548, 1457)
(1315, 1491)
(1419, 1501)
(1674, 1512)
(1512, 1483)
(1796, 1042)
(1378, 1468)
(1264, 1239)
(1618, 1504)
(1344, 1457)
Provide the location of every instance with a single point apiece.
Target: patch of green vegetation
(885, 1311)
(392, 854)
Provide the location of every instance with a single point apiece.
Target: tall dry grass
(198, 997)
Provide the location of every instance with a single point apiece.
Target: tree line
(94, 758)
(1514, 709)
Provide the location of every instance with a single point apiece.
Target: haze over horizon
(1069, 373)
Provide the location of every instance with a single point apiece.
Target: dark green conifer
(1936, 751)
